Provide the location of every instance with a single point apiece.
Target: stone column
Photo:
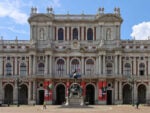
(1, 92)
(67, 33)
(100, 63)
(116, 64)
(135, 92)
(1, 66)
(34, 64)
(46, 65)
(97, 64)
(149, 66)
(67, 65)
(16, 66)
(104, 65)
(34, 91)
(120, 64)
(134, 66)
(29, 93)
(30, 65)
(116, 91)
(15, 93)
(120, 90)
(148, 93)
(50, 65)
(82, 35)
(82, 64)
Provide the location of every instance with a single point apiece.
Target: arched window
(109, 69)
(89, 67)
(60, 34)
(60, 67)
(8, 69)
(89, 34)
(75, 66)
(75, 34)
(142, 69)
(23, 69)
(41, 68)
(127, 69)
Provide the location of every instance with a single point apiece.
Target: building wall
(118, 62)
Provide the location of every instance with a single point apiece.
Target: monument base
(74, 101)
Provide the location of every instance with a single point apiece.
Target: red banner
(100, 85)
(47, 90)
(67, 84)
(83, 88)
(104, 90)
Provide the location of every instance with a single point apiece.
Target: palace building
(110, 70)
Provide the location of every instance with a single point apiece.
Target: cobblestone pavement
(88, 109)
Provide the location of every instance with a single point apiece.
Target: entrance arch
(60, 94)
(142, 94)
(127, 94)
(23, 94)
(90, 94)
(8, 94)
(41, 97)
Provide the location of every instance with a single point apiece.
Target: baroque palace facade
(112, 71)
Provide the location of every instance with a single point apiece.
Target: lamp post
(18, 89)
(132, 80)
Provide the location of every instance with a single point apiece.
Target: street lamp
(18, 89)
(132, 80)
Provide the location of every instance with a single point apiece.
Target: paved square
(89, 109)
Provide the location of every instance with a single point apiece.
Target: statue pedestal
(74, 101)
(75, 97)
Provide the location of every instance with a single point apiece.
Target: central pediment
(40, 18)
(110, 18)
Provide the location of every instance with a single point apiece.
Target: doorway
(23, 94)
(142, 94)
(127, 94)
(109, 97)
(8, 96)
(90, 94)
(60, 94)
(41, 97)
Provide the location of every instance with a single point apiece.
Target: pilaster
(82, 61)
(104, 65)
(16, 65)
(148, 65)
(1, 66)
(1, 92)
(100, 63)
(46, 65)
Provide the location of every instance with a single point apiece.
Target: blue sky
(14, 15)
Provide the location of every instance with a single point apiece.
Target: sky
(15, 13)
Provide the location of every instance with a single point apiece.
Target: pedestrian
(44, 105)
(137, 104)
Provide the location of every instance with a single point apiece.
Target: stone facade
(61, 44)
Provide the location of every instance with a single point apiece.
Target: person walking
(44, 105)
(137, 104)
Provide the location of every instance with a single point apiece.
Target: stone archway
(142, 94)
(8, 94)
(127, 94)
(60, 94)
(23, 94)
(90, 94)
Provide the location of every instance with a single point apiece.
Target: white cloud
(141, 31)
(55, 3)
(12, 9)
(13, 29)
